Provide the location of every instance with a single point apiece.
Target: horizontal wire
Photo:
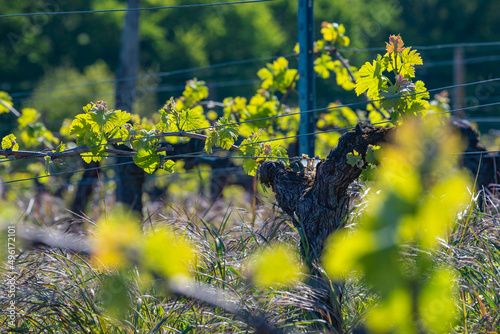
(478, 153)
(312, 110)
(473, 60)
(258, 142)
(352, 127)
(68, 172)
(133, 9)
(244, 61)
(484, 119)
(232, 83)
(154, 75)
(161, 88)
(429, 47)
(90, 180)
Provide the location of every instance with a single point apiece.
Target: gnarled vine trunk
(318, 204)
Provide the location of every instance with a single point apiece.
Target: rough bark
(129, 183)
(84, 188)
(130, 178)
(319, 204)
(482, 166)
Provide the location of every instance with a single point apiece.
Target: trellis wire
(315, 110)
(258, 142)
(133, 9)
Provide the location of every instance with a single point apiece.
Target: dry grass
(61, 292)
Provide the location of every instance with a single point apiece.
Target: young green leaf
(323, 65)
(355, 159)
(370, 78)
(168, 165)
(9, 143)
(7, 100)
(28, 116)
(405, 64)
(194, 92)
(192, 119)
(147, 159)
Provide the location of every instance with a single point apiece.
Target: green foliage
(402, 98)
(277, 76)
(276, 265)
(173, 119)
(9, 143)
(335, 33)
(168, 165)
(415, 200)
(355, 159)
(167, 254)
(89, 133)
(323, 65)
(371, 80)
(257, 150)
(147, 159)
(194, 92)
(413, 203)
(5, 98)
(33, 133)
(223, 134)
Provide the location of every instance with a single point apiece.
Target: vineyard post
(130, 178)
(306, 81)
(458, 94)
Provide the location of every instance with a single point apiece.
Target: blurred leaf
(437, 301)
(117, 239)
(28, 116)
(416, 195)
(169, 165)
(167, 253)
(115, 296)
(9, 143)
(7, 100)
(276, 265)
(147, 159)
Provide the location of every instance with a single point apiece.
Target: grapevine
(244, 124)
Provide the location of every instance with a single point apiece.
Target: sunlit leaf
(115, 295)
(168, 166)
(370, 79)
(117, 239)
(437, 301)
(395, 44)
(9, 143)
(167, 253)
(147, 159)
(7, 99)
(28, 116)
(277, 264)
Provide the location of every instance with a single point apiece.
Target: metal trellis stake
(306, 83)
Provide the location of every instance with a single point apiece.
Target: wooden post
(129, 60)
(306, 81)
(458, 79)
(129, 177)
